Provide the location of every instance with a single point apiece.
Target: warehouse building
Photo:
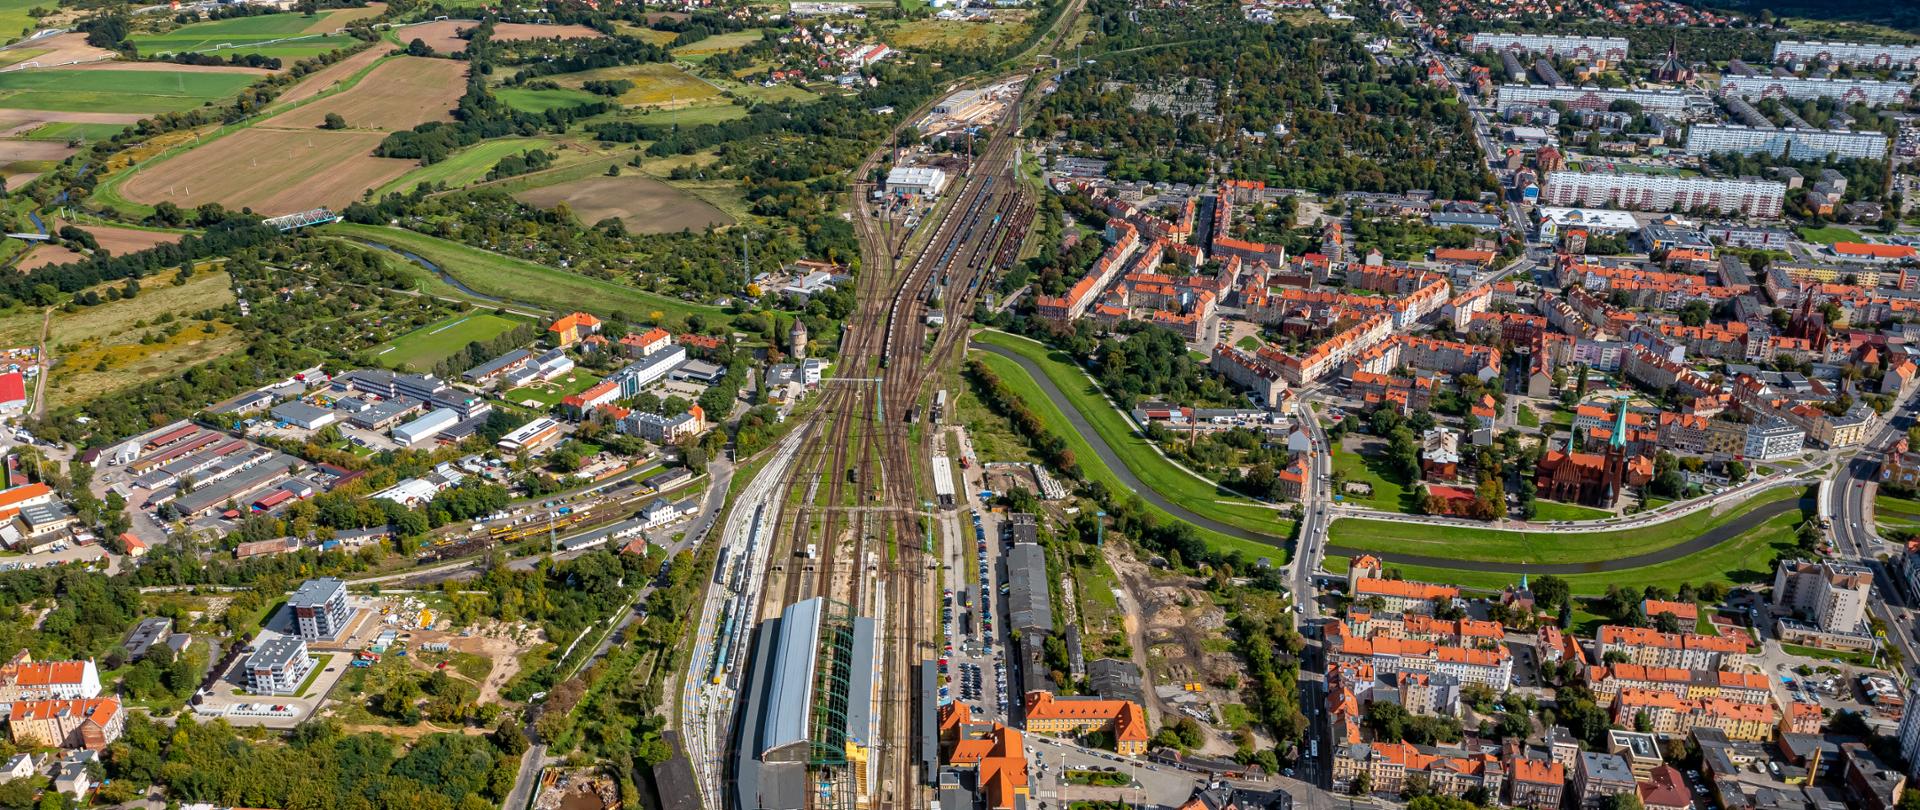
(918, 180)
(426, 427)
(809, 723)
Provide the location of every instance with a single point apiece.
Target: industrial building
(916, 180)
(1799, 144)
(809, 724)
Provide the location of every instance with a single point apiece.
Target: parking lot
(974, 663)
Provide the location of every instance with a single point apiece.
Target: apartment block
(1660, 192)
(320, 608)
(89, 723)
(1846, 91)
(1833, 595)
(1649, 647)
(1792, 142)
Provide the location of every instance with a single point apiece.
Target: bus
(1824, 506)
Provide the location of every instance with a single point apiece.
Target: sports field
(284, 35)
(493, 274)
(469, 165)
(1474, 544)
(116, 91)
(643, 204)
(423, 348)
(655, 84)
(66, 130)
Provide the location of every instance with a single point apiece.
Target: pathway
(1706, 540)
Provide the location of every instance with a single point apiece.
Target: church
(1593, 479)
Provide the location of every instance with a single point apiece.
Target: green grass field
(1555, 510)
(539, 101)
(1094, 469)
(65, 130)
(1177, 485)
(691, 116)
(116, 91)
(423, 348)
(14, 20)
(1390, 494)
(718, 43)
(469, 165)
(1740, 561)
(507, 277)
(550, 394)
(244, 35)
(1829, 235)
(1474, 544)
(1526, 416)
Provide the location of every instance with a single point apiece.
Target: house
(20, 766)
(90, 723)
(572, 328)
(74, 777)
(133, 546)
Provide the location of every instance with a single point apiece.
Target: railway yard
(838, 522)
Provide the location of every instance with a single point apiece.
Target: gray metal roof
(861, 728)
(277, 654)
(790, 689)
(314, 593)
(1028, 603)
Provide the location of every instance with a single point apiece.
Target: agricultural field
(444, 35)
(100, 348)
(957, 35)
(399, 94)
(325, 78)
(643, 204)
(45, 255)
(116, 91)
(648, 35)
(286, 163)
(120, 240)
(656, 84)
(20, 155)
(538, 101)
(506, 277)
(469, 165)
(718, 43)
(423, 348)
(287, 35)
(58, 49)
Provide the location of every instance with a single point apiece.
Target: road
(1854, 485)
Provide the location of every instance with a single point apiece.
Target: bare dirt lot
(14, 122)
(333, 74)
(646, 205)
(59, 49)
(43, 255)
(337, 20)
(11, 151)
(121, 241)
(272, 171)
(399, 94)
(441, 35)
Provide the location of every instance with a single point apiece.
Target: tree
(333, 121)
(1736, 471)
(1550, 591)
(1629, 800)
(1363, 784)
(419, 47)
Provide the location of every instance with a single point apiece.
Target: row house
(1612, 322)
(1672, 716)
(1492, 668)
(1406, 395)
(1649, 647)
(1424, 627)
(1609, 680)
(1729, 341)
(1684, 432)
(1388, 767)
(1250, 372)
(1535, 784)
(1431, 354)
(1660, 373)
(23, 678)
(1330, 356)
(88, 723)
(1465, 307)
(1124, 239)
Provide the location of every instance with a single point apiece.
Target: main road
(1851, 504)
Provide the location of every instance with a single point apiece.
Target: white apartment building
(1585, 49)
(278, 667)
(1775, 438)
(320, 608)
(1877, 54)
(1802, 144)
(1865, 91)
(1664, 192)
(1594, 98)
(1833, 594)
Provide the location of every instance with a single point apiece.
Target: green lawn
(1390, 493)
(1829, 235)
(1177, 485)
(1094, 469)
(1555, 510)
(65, 130)
(550, 394)
(423, 348)
(14, 19)
(1860, 659)
(469, 165)
(116, 91)
(493, 274)
(539, 101)
(1743, 560)
(1474, 544)
(1526, 416)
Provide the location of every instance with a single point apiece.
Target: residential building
(278, 667)
(1909, 732)
(1791, 142)
(1590, 98)
(1365, 584)
(1598, 777)
(1845, 91)
(1389, 765)
(1870, 784)
(1601, 50)
(320, 608)
(1535, 784)
(1665, 789)
(1649, 647)
(1607, 681)
(89, 723)
(1831, 595)
(23, 678)
(1662, 192)
(1871, 54)
(573, 328)
(20, 766)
